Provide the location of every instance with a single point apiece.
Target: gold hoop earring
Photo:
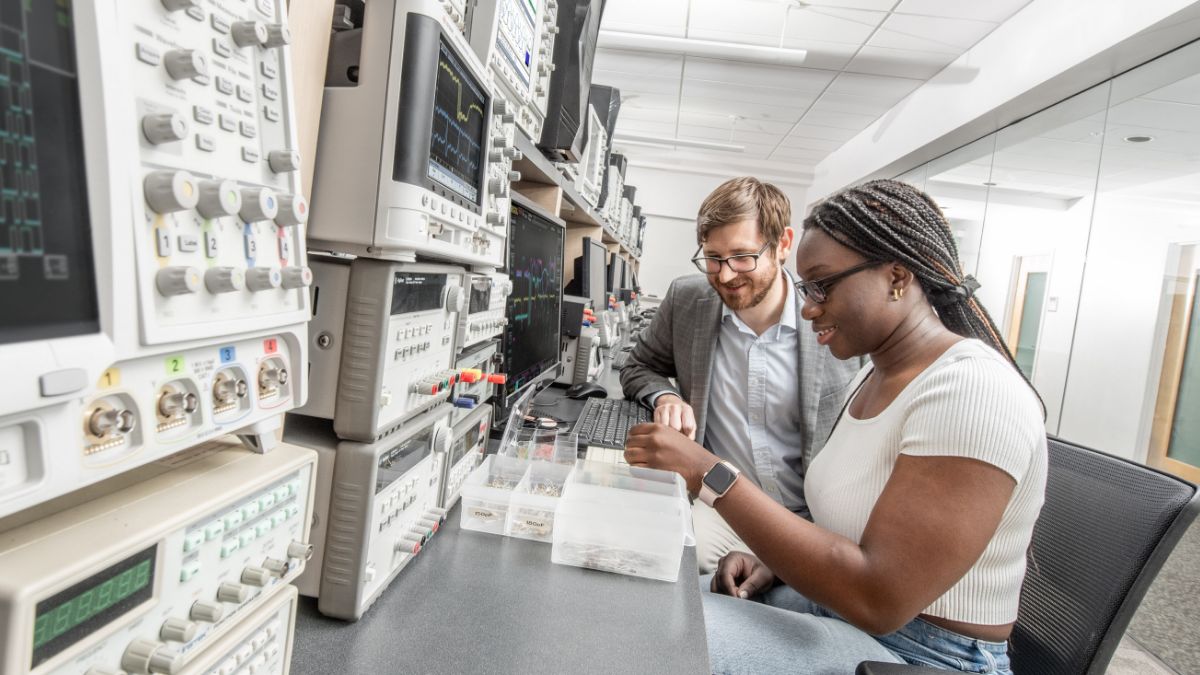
(897, 293)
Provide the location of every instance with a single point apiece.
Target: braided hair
(891, 220)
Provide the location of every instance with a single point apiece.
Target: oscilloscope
(516, 40)
(405, 151)
(384, 332)
(147, 576)
(593, 161)
(158, 203)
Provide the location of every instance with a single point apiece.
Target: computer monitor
(591, 273)
(616, 274)
(574, 53)
(534, 309)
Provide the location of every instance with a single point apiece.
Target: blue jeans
(781, 631)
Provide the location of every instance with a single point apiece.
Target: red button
(497, 378)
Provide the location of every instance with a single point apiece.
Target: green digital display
(70, 615)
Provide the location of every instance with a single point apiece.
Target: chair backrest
(1105, 531)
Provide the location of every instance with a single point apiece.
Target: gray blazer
(681, 342)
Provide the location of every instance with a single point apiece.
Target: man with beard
(751, 383)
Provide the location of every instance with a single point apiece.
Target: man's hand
(742, 575)
(674, 412)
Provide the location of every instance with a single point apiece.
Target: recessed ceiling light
(989, 183)
(1138, 139)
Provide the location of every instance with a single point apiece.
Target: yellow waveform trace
(458, 113)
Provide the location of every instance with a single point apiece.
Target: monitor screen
(459, 127)
(534, 308)
(47, 275)
(616, 274)
(594, 255)
(515, 35)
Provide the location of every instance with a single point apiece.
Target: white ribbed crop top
(968, 403)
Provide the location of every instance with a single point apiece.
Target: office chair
(1106, 529)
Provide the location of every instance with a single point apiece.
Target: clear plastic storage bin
(534, 502)
(623, 519)
(487, 493)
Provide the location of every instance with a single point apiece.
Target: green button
(228, 548)
(189, 570)
(214, 530)
(192, 540)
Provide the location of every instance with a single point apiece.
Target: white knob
(263, 278)
(508, 118)
(454, 299)
(248, 33)
(184, 64)
(207, 611)
(224, 279)
(300, 550)
(231, 592)
(499, 106)
(256, 576)
(442, 438)
(495, 218)
(219, 198)
(513, 153)
(258, 204)
(297, 277)
(293, 210)
(278, 35)
(514, 176)
(177, 280)
(166, 661)
(506, 287)
(177, 630)
(170, 191)
(283, 161)
(176, 5)
(162, 128)
(500, 142)
(276, 566)
(145, 656)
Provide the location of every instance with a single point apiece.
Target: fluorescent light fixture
(711, 49)
(656, 141)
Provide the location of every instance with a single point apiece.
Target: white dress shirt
(754, 403)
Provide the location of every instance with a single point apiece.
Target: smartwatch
(717, 482)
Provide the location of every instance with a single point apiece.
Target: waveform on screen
(471, 107)
(535, 291)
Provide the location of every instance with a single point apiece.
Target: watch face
(719, 478)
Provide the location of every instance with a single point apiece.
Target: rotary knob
(441, 438)
(145, 656)
(297, 277)
(500, 142)
(256, 576)
(499, 106)
(176, 5)
(508, 118)
(278, 35)
(495, 218)
(249, 33)
(514, 176)
(293, 210)
(258, 204)
(300, 550)
(263, 278)
(513, 153)
(224, 279)
(170, 191)
(219, 198)
(178, 280)
(498, 187)
(162, 128)
(184, 64)
(177, 630)
(283, 161)
(207, 611)
(454, 299)
(505, 287)
(276, 566)
(231, 592)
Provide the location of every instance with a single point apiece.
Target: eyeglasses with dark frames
(739, 263)
(817, 290)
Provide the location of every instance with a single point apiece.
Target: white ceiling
(864, 57)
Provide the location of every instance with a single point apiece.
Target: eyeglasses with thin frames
(817, 290)
(739, 263)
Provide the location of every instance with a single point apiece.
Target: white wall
(669, 200)
(1047, 51)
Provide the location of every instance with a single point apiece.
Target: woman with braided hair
(926, 492)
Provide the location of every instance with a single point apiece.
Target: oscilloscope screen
(459, 128)
(47, 274)
(534, 309)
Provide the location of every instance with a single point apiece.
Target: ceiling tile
(859, 105)
(805, 143)
(635, 126)
(831, 24)
(839, 120)
(738, 135)
(661, 17)
(629, 83)
(930, 34)
(899, 63)
(755, 75)
(884, 88)
(724, 106)
(640, 63)
(877, 5)
(765, 95)
(721, 121)
(666, 99)
(631, 111)
(806, 129)
(1183, 91)
(750, 18)
(996, 11)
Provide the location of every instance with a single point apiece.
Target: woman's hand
(658, 446)
(742, 576)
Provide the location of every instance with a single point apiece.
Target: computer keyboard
(605, 422)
